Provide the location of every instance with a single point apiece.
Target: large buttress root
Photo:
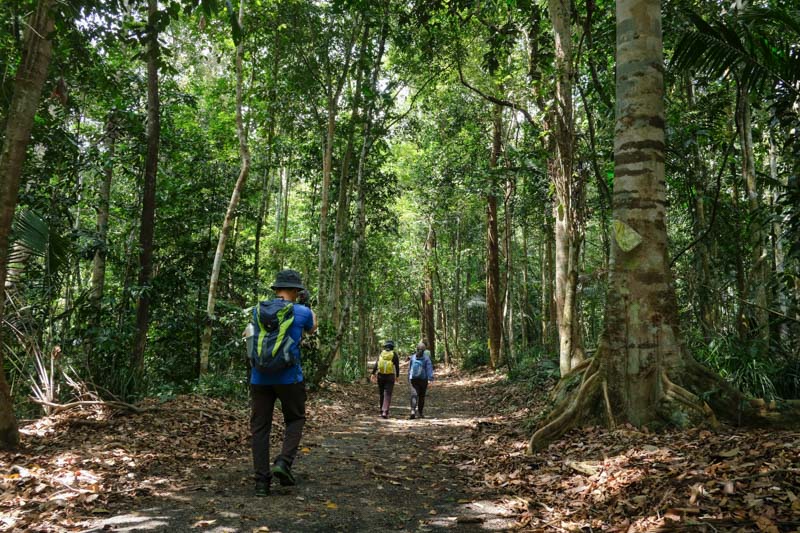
(568, 411)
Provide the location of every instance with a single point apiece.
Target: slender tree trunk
(327, 165)
(494, 317)
(103, 205)
(147, 227)
(757, 279)
(508, 251)
(525, 312)
(343, 203)
(548, 291)
(244, 155)
(777, 231)
(361, 219)
(30, 78)
(442, 305)
(428, 316)
(456, 314)
(266, 188)
(333, 92)
(569, 191)
(704, 294)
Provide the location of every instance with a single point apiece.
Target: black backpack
(270, 349)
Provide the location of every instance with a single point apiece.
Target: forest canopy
(449, 171)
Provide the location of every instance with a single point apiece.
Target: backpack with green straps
(270, 352)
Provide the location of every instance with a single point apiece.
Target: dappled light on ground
(186, 468)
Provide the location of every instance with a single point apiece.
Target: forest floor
(184, 466)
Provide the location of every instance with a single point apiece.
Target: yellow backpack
(385, 364)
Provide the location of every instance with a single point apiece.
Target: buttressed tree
(642, 374)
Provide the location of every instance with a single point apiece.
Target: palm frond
(718, 50)
(34, 237)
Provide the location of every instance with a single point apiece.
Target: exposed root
(609, 413)
(678, 395)
(733, 407)
(567, 412)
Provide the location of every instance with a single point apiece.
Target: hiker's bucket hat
(288, 279)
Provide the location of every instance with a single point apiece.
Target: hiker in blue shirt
(286, 385)
(420, 375)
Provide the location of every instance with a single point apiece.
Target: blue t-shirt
(303, 321)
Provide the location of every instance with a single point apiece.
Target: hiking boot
(421, 415)
(262, 488)
(412, 416)
(384, 415)
(283, 472)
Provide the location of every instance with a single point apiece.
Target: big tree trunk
(31, 74)
(568, 194)
(494, 318)
(244, 155)
(641, 374)
(147, 227)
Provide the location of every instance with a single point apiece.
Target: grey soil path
(356, 472)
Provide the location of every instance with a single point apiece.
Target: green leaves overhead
(759, 48)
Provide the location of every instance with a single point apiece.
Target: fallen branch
(113, 404)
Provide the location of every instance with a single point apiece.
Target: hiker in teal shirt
(286, 385)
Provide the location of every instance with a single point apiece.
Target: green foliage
(742, 365)
(230, 385)
(536, 370)
(477, 356)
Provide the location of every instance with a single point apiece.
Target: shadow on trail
(355, 472)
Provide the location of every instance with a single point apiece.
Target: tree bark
(548, 314)
(28, 82)
(361, 218)
(266, 188)
(428, 316)
(641, 375)
(147, 227)
(103, 205)
(244, 155)
(494, 318)
(569, 192)
(757, 280)
(343, 202)
(508, 251)
(333, 91)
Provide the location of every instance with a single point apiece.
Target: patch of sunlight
(139, 521)
(486, 514)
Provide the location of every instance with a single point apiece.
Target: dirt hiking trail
(355, 472)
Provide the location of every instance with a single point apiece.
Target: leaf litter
(79, 466)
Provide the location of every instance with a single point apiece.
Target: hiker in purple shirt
(420, 375)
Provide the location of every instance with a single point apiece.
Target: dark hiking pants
(385, 388)
(262, 403)
(418, 389)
